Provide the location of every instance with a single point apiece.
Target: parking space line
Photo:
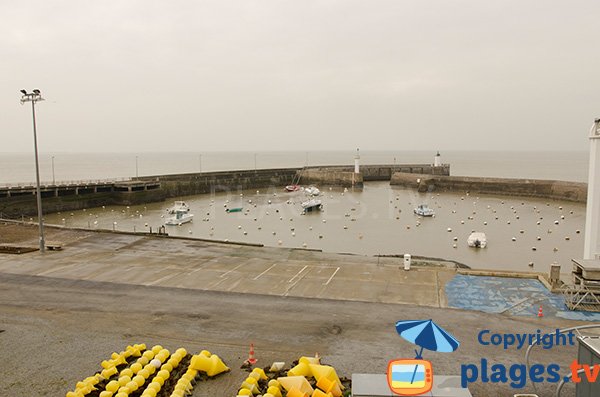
(288, 289)
(162, 279)
(217, 283)
(297, 274)
(271, 267)
(331, 278)
(232, 270)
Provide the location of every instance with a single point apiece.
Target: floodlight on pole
(34, 97)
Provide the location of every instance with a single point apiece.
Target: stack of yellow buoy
(298, 382)
(134, 375)
(109, 369)
(250, 387)
(165, 370)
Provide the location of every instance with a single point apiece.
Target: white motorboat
(311, 205)
(178, 206)
(312, 191)
(424, 210)
(477, 240)
(179, 218)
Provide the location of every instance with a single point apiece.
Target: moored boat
(179, 218)
(477, 240)
(178, 206)
(312, 205)
(292, 188)
(424, 210)
(312, 191)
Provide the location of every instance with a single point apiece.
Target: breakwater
(550, 189)
(18, 201)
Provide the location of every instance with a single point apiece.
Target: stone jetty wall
(16, 202)
(558, 190)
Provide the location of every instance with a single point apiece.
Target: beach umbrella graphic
(427, 335)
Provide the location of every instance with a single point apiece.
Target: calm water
(19, 168)
(377, 220)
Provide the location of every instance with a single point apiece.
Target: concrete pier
(556, 190)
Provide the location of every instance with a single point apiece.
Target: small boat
(312, 191)
(180, 218)
(178, 206)
(236, 209)
(292, 188)
(311, 205)
(424, 210)
(477, 240)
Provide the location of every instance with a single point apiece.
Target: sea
(524, 234)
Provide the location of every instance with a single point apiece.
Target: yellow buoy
(329, 386)
(163, 374)
(112, 386)
(297, 382)
(326, 371)
(211, 366)
(275, 391)
(139, 380)
(293, 392)
(123, 380)
(132, 386)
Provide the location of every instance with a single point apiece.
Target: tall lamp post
(34, 97)
(53, 179)
(591, 245)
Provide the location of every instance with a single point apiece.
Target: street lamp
(136, 166)
(34, 97)
(53, 179)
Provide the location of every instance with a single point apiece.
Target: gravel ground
(56, 332)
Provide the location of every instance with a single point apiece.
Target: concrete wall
(208, 182)
(331, 177)
(559, 190)
(15, 207)
(384, 172)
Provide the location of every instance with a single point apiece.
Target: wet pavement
(515, 296)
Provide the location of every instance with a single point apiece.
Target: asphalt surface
(64, 312)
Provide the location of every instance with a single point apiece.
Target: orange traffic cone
(540, 312)
(251, 359)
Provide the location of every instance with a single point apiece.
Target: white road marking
(232, 270)
(297, 274)
(217, 283)
(287, 291)
(56, 269)
(162, 279)
(271, 267)
(331, 278)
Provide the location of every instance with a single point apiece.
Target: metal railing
(582, 297)
(82, 182)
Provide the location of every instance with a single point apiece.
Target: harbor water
(377, 220)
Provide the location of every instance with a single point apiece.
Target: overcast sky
(136, 76)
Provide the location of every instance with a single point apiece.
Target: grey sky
(143, 75)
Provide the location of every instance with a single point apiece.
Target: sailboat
(295, 183)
